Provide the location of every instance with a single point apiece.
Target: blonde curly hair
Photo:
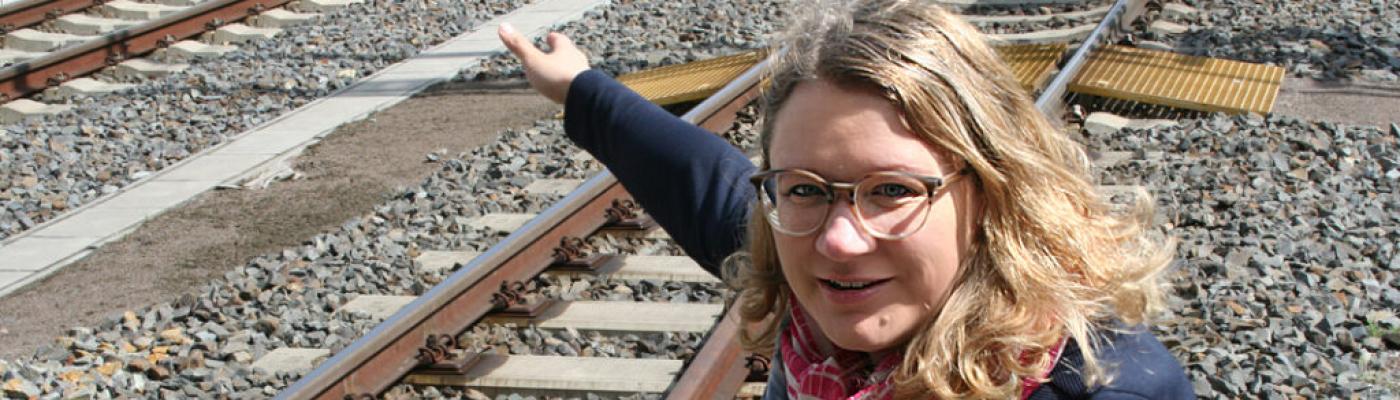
(1049, 260)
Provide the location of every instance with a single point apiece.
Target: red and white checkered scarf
(813, 374)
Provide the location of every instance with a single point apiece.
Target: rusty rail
(32, 12)
(1118, 20)
(376, 361)
(717, 370)
(21, 79)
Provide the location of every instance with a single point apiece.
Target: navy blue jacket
(696, 187)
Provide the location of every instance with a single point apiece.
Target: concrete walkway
(36, 253)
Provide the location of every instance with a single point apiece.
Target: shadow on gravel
(1334, 54)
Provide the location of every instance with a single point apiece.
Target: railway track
(57, 44)
(441, 339)
(373, 364)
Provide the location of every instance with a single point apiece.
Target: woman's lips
(853, 291)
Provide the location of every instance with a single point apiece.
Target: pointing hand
(550, 73)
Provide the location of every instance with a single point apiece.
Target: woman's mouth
(851, 285)
(850, 292)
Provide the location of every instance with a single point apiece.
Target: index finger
(523, 49)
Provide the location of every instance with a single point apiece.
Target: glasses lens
(892, 204)
(796, 202)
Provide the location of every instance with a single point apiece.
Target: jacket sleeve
(1139, 366)
(692, 182)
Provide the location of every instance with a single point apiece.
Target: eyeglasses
(889, 205)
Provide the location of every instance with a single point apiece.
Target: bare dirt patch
(344, 175)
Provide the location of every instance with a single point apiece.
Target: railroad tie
(376, 306)
(557, 187)
(144, 68)
(88, 87)
(22, 109)
(526, 373)
(558, 373)
(618, 316)
(502, 222)
(1167, 28)
(626, 268)
(290, 359)
(444, 261)
(751, 390)
(322, 6)
(1177, 10)
(1097, 12)
(640, 268)
(240, 33)
(1063, 35)
(83, 24)
(1102, 123)
(653, 234)
(191, 50)
(281, 18)
(629, 267)
(29, 40)
(1005, 2)
(130, 10)
(11, 56)
(181, 3)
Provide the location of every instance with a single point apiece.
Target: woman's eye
(806, 191)
(893, 190)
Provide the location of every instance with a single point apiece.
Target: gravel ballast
(1286, 274)
(1327, 40)
(105, 143)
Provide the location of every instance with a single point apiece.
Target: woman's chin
(866, 342)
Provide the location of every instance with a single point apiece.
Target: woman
(918, 229)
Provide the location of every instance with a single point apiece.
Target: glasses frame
(933, 185)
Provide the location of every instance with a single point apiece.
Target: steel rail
(1119, 18)
(21, 79)
(371, 364)
(717, 370)
(32, 12)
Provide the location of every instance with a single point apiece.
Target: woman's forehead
(847, 132)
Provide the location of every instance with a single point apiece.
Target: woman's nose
(842, 238)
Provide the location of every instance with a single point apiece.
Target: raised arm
(691, 181)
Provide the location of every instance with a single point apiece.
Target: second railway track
(75, 44)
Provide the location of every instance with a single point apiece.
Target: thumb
(518, 45)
